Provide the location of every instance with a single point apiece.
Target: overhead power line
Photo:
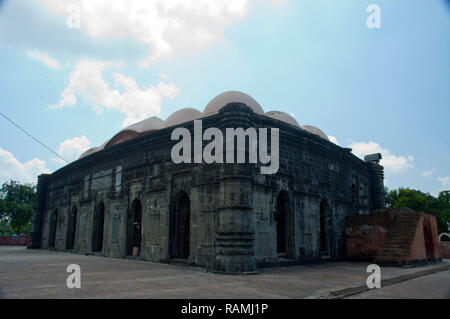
(35, 139)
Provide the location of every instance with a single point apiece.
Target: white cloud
(12, 169)
(44, 58)
(71, 149)
(445, 181)
(164, 26)
(87, 81)
(333, 139)
(428, 173)
(164, 76)
(277, 2)
(392, 163)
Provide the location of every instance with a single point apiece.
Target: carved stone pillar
(235, 232)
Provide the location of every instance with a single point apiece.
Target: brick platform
(14, 241)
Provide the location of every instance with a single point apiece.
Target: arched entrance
(284, 226)
(428, 238)
(97, 231)
(52, 228)
(71, 228)
(324, 229)
(180, 226)
(134, 227)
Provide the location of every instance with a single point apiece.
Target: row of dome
(189, 114)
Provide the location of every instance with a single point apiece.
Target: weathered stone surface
(233, 208)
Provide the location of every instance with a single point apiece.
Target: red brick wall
(393, 236)
(445, 249)
(366, 235)
(14, 241)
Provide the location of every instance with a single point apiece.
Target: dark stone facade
(132, 194)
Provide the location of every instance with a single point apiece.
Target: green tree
(17, 205)
(422, 202)
(444, 198)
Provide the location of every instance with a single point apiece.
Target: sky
(75, 72)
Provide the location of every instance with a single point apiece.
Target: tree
(444, 198)
(422, 202)
(17, 205)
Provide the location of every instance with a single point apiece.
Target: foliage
(16, 207)
(422, 202)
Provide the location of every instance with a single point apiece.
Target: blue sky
(385, 89)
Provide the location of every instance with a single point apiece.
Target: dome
(181, 116)
(229, 97)
(316, 131)
(282, 116)
(151, 124)
(120, 137)
(90, 151)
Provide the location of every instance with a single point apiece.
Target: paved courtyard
(28, 273)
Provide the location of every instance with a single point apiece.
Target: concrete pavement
(28, 273)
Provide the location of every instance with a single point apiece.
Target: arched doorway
(71, 228)
(280, 217)
(180, 227)
(134, 227)
(428, 238)
(324, 249)
(97, 231)
(52, 228)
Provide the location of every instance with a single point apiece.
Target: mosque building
(127, 197)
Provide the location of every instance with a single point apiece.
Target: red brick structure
(393, 236)
(14, 241)
(366, 235)
(445, 249)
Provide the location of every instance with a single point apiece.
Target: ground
(26, 273)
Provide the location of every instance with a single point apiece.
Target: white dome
(181, 116)
(151, 124)
(229, 97)
(316, 131)
(90, 151)
(282, 116)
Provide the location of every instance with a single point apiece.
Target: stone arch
(134, 227)
(97, 227)
(71, 228)
(52, 229)
(326, 228)
(284, 226)
(443, 235)
(180, 226)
